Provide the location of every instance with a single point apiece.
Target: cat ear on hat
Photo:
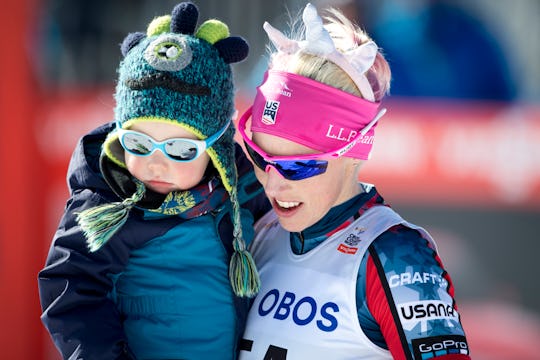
(130, 41)
(232, 49)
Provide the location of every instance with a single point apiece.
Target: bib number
(272, 353)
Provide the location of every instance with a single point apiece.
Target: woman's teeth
(287, 204)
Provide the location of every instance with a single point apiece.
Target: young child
(343, 276)
(149, 259)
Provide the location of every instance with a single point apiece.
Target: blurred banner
(425, 152)
(464, 153)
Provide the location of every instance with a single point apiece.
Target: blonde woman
(343, 276)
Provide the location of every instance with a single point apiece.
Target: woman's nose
(274, 181)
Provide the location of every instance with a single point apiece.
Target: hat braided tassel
(100, 223)
(243, 273)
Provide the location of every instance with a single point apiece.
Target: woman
(342, 275)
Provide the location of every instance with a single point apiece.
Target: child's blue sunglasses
(176, 149)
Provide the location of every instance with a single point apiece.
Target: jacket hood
(83, 171)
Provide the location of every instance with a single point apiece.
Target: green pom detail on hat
(100, 223)
(159, 25)
(212, 31)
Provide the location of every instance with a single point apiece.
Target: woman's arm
(411, 298)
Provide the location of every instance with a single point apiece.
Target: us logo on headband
(270, 111)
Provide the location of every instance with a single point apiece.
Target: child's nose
(157, 161)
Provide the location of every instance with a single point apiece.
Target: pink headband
(314, 114)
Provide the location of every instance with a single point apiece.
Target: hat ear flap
(232, 49)
(130, 41)
(184, 18)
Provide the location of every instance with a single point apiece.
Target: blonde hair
(346, 36)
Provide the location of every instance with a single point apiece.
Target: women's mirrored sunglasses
(297, 169)
(290, 167)
(176, 149)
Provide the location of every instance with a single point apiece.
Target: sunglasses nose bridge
(270, 167)
(158, 157)
(156, 146)
(274, 182)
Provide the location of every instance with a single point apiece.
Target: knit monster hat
(178, 74)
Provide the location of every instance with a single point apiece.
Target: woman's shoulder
(401, 241)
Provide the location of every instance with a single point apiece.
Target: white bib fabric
(306, 308)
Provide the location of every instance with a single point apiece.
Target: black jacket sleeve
(74, 287)
(75, 284)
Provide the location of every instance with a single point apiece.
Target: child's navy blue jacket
(76, 285)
